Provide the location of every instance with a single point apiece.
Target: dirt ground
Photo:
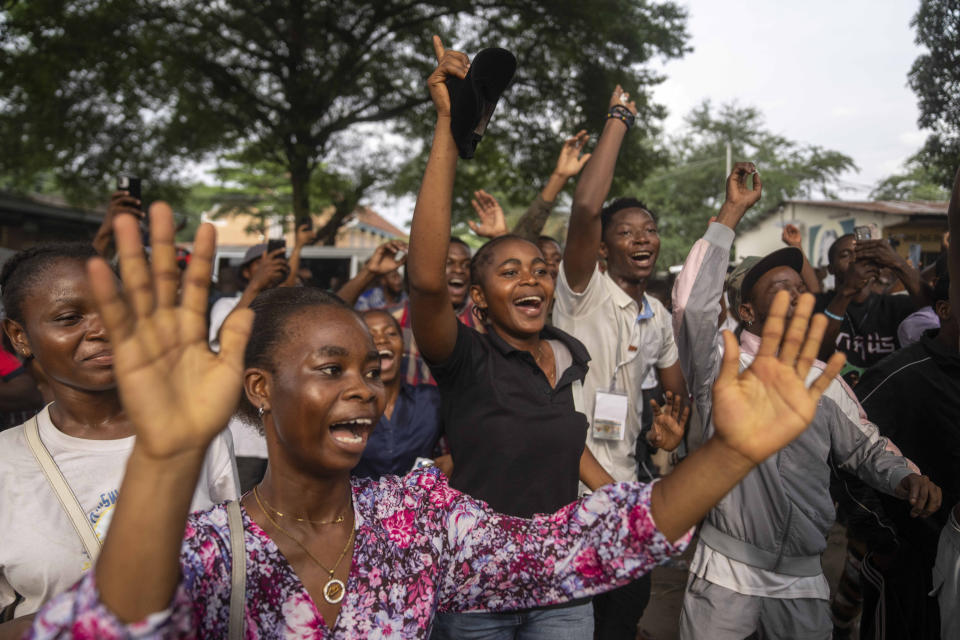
(660, 619)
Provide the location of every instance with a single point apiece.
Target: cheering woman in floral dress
(328, 556)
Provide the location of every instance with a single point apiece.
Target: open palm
(762, 409)
(669, 421)
(177, 392)
(492, 221)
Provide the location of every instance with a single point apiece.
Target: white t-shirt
(625, 343)
(247, 441)
(712, 566)
(218, 313)
(41, 554)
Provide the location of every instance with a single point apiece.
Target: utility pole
(729, 160)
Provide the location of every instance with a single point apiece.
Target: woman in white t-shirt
(50, 317)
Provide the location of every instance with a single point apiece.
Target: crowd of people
(460, 444)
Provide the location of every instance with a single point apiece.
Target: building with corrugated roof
(914, 227)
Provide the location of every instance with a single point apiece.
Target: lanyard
(646, 312)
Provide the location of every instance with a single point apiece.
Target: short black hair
(272, 308)
(460, 240)
(484, 255)
(541, 239)
(26, 269)
(396, 323)
(832, 251)
(607, 213)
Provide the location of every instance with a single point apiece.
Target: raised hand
(449, 63)
(572, 159)
(621, 97)
(791, 236)
(388, 257)
(272, 269)
(859, 275)
(492, 222)
(121, 203)
(305, 235)
(668, 422)
(762, 409)
(740, 197)
(178, 393)
(879, 252)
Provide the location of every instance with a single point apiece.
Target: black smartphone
(130, 184)
(275, 243)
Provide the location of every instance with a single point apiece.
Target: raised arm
(792, 237)
(434, 321)
(177, 393)
(383, 261)
(121, 203)
(304, 236)
(697, 291)
(583, 235)
(569, 163)
(755, 412)
(881, 253)
(623, 530)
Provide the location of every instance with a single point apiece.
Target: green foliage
(916, 183)
(95, 87)
(690, 190)
(935, 78)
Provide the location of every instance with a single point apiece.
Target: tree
(94, 86)
(691, 188)
(917, 182)
(935, 78)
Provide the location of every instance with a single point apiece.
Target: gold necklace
(333, 589)
(337, 520)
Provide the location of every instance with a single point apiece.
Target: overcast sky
(831, 73)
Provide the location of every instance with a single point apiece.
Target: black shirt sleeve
(461, 360)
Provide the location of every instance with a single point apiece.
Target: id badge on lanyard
(609, 415)
(610, 407)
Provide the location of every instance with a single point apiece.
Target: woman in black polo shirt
(508, 397)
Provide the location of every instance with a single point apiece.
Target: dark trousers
(616, 613)
(895, 600)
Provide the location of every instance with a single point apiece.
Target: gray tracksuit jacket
(778, 517)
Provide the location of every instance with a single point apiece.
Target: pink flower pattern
(421, 547)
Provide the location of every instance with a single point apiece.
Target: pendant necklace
(333, 589)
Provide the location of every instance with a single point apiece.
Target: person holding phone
(757, 567)
(122, 202)
(863, 324)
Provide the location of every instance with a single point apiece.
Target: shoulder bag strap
(238, 570)
(71, 506)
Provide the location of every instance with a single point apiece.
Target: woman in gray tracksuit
(757, 564)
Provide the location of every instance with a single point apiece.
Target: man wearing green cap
(757, 563)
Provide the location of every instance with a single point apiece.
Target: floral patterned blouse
(421, 547)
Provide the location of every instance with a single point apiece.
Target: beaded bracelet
(622, 114)
(832, 316)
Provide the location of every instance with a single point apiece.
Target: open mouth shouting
(387, 358)
(529, 305)
(352, 434)
(457, 287)
(643, 258)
